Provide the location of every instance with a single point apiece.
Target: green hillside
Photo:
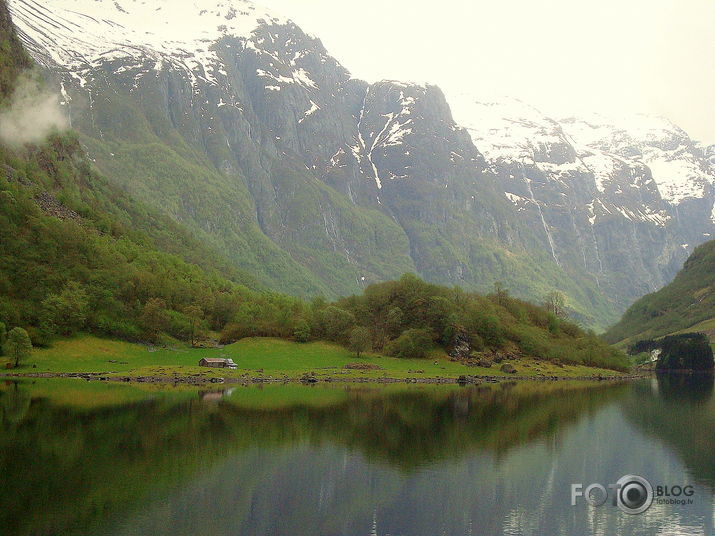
(686, 304)
(77, 252)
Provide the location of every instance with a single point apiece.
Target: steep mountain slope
(261, 142)
(626, 203)
(69, 236)
(191, 132)
(13, 58)
(686, 304)
(245, 129)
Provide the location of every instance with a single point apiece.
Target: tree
(555, 303)
(500, 293)
(688, 351)
(393, 322)
(360, 340)
(18, 346)
(301, 333)
(412, 343)
(335, 322)
(3, 337)
(154, 318)
(195, 316)
(65, 313)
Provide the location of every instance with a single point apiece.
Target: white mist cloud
(32, 114)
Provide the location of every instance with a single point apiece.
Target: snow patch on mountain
(83, 34)
(520, 138)
(676, 162)
(507, 129)
(651, 150)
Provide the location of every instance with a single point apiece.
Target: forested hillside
(76, 252)
(688, 303)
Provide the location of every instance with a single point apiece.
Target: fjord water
(97, 459)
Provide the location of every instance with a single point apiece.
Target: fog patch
(32, 114)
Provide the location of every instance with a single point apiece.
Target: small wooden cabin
(217, 363)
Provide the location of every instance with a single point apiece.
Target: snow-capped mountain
(677, 164)
(587, 181)
(236, 122)
(82, 35)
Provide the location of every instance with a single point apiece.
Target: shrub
(411, 343)
(336, 322)
(301, 333)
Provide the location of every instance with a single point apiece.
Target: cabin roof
(215, 360)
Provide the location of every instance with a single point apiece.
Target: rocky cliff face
(245, 128)
(626, 204)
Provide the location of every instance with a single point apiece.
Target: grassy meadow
(267, 358)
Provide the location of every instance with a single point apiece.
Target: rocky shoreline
(311, 378)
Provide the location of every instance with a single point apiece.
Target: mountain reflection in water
(91, 458)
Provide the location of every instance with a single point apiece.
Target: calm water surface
(115, 460)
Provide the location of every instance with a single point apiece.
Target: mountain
(76, 249)
(241, 127)
(626, 203)
(685, 305)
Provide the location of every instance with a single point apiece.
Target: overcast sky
(564, 56)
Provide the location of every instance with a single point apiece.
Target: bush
(554, 324)
(233, 332)
(411, 343)
(302, 331)
(335, 323)
(40, 336)
(66, 313)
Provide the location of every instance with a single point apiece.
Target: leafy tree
(393, 323)
(154, 319)
(65, 313)
(360, 340)
(489, 328)
(411, 343)
(555, 303)
(18, 346)
(302, 331)
(336, 322)
(688, 351)
(501, 294)
(195, 316)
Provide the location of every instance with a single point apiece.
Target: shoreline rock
(312, 379)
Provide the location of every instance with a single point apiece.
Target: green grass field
(262, 357)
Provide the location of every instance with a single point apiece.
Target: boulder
(308, 378)
(460, 346)
(508, 368)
